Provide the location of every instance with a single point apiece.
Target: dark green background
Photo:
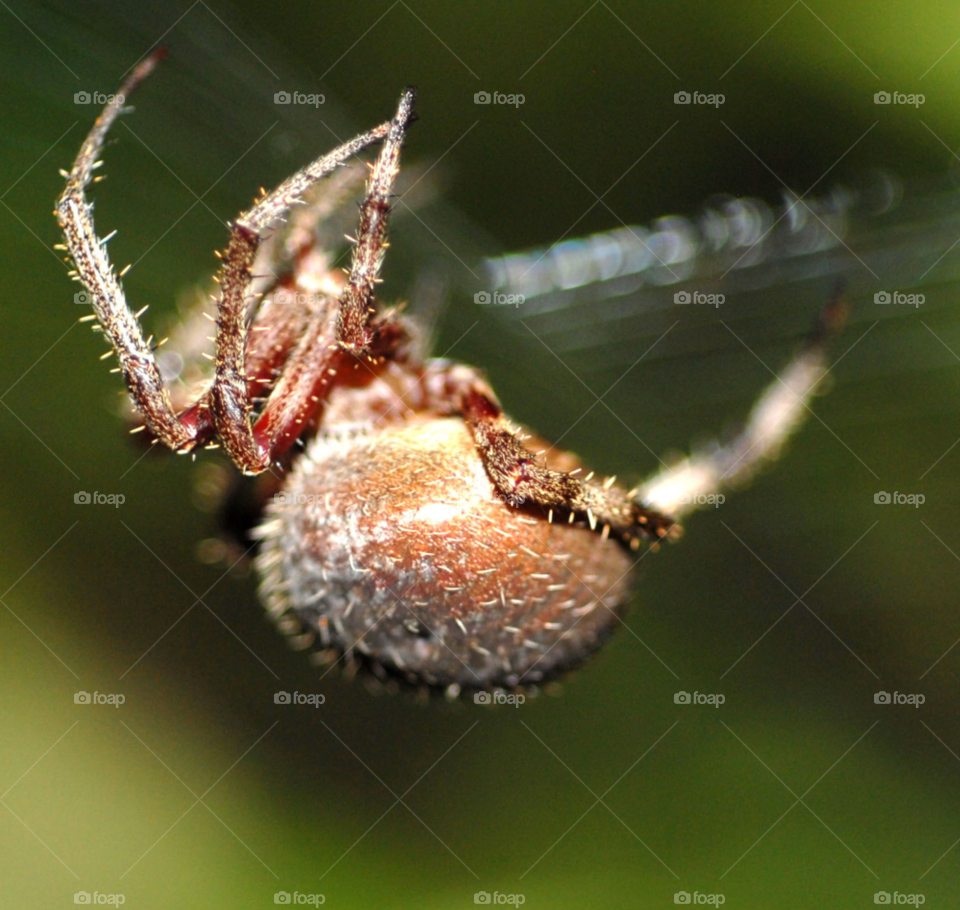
(116, 580)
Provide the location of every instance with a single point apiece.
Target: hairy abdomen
(392, 544)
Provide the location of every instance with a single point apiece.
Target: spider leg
(520, 478)
(299, 393)
(356, 328)
(650, 511)
(293, 272)
(293, 265)
(277, 325)
(303, 245)
(292, 401)
(778, 412)
(224, 409)
(94, 271)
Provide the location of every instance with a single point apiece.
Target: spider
(412, 529)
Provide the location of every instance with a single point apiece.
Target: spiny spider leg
(778, 412)
(292, 402)
(93, 270)
(649, 512)
(291, 269)
(516, 473)
(335, 336)
(356, 329)
(275, 330)
(302, 387)
(229, 402)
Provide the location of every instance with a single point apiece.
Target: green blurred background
(498, 800)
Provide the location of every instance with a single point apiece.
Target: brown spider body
(392, 540)
(415, 529)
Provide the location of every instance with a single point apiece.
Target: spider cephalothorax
(416, 530)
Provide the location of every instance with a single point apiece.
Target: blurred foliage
(505, 800)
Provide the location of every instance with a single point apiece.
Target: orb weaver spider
(412, 529)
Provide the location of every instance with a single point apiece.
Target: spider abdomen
(392, 543)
